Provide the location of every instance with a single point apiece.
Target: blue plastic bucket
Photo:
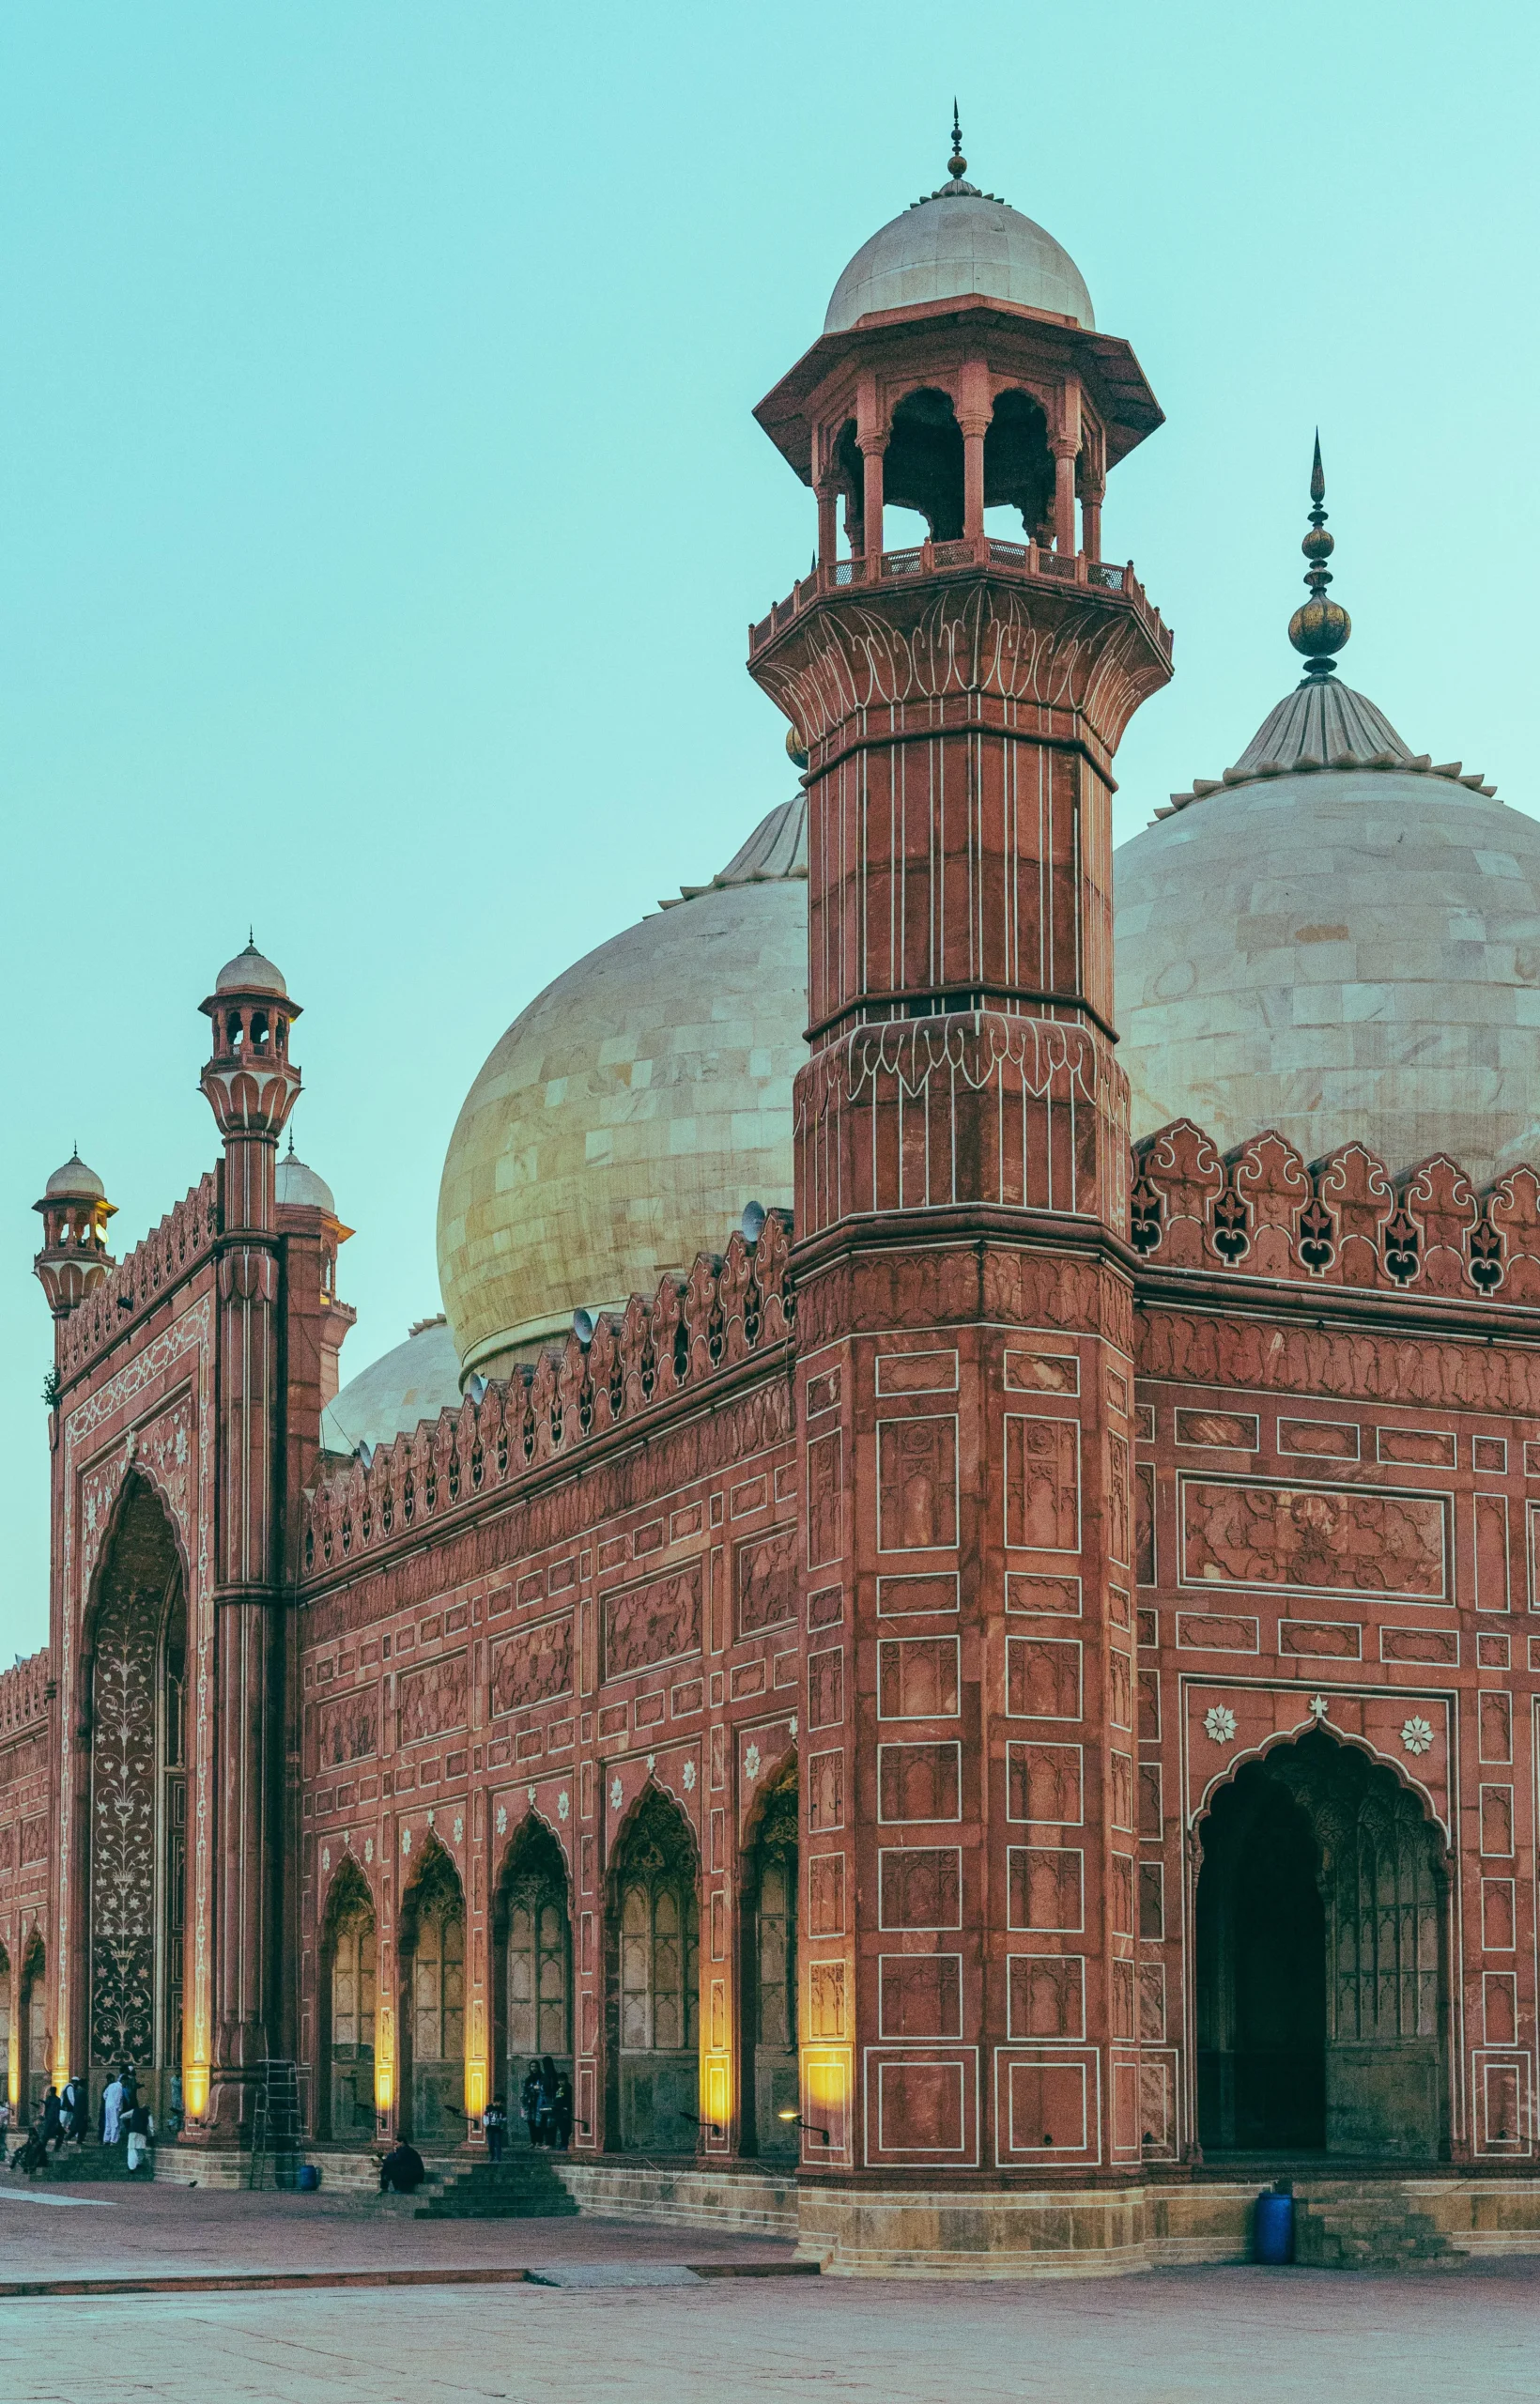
(1273, 2233)
(309, 2178)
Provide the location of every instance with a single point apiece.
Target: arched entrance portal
(531, 1934)
(138, 1814)
(34, 2030)
(1320, 1947)
(653, 1989)
(432, 2019)
(768, 1982)
(350, 1955)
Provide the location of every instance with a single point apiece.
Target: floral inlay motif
(751, 1763)
(1417, 1735)
(1219, 1724)
(564, 1804)
(689, 1776)
(502, 1819)
(405, 1840)
(617, 1794)
(459, 1829)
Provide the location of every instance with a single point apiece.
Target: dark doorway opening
(1321, 1944)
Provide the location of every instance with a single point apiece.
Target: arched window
(654, 1982)
(352, 1948)
(532, 1932)
(769, 1979)
(432, 2012)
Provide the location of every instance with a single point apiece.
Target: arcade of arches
(1321, 1960)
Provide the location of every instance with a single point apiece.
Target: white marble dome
(959, 240)
(1337, 940)
(415, 1381)
(633, 1109)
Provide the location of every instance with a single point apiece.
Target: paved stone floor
(1170, 2337)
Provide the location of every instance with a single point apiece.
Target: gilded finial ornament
(955, 165)
(1320, 627)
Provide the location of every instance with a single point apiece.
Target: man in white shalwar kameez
(112, 2106)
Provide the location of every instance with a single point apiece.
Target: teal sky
(381, 512)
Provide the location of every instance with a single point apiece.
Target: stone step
(526, 2188)
(1363, 2230)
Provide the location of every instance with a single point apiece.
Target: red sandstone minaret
(75, 1256)
(252, 1084)
(962, 1271)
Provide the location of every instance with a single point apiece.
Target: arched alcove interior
(767, 1984)
(137, 1652)
(532, 1941)
(432, 2015)
(1321, 1960)
(922, 467)
(1018, 464)
(654, 1981)
(349, 1969)
(32, 2003)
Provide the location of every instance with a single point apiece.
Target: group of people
(546, 2102)
(124, 2117)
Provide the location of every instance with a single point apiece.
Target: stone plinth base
(891, 2232)
(746, 2202)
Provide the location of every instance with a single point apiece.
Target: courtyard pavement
(623, 2321)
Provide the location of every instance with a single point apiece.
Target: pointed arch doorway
(136, 1667)
(1321, 1960)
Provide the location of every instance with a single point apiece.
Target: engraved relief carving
(653, 1623)
(533, 1666)
(347, 1728)
(431, 1699)
(1353, 1540)
(766, 1577)
(1042, 1484)
(916, 1484)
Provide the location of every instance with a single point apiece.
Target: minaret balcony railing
(1029, 562)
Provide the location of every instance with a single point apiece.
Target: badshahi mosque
(940, 1616)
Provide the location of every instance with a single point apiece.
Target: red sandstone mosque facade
(1008, 1673)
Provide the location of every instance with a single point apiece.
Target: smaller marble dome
(1338, 939)
(300, 1186)
(251, 971)
(414, 1381)
(74, 1182)
(954, 242)
(632, 1109)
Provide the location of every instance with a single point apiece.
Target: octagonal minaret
(963, 1277)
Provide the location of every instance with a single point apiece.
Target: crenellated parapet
(168, 1254)
(23, 1693)
(1263, 1210)
(731, 1308)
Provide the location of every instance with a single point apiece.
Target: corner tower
(964, 1279)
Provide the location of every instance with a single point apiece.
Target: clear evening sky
(381, 512)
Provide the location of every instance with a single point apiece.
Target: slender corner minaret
(252, 1084)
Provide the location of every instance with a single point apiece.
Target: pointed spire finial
(1320, 627)
(955, 165)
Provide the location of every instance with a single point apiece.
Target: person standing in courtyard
(112, 2110)
(561, 2113)
(529, 2101)
(53, 2128)
(495, 2124)
(545, 2123)
(141, 2127)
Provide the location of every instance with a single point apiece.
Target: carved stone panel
(533, 1666)
(1042, 1484)
(656, 1622)
(766, 1580)
(347, 1728)
(431, 1699)
(1345, 1540)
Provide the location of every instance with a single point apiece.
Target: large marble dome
(629, 1114)
(1338, 939)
